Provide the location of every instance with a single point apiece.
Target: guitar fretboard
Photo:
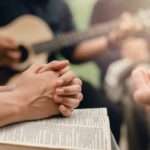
(68, 39)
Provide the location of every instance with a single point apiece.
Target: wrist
(10, 111)
(103, 43)
(7, 88)
(19, 106)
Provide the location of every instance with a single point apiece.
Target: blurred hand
(126, 27)
(141, 80)
(136, 49)
(8, 52)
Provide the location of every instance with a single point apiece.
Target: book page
(87, 129)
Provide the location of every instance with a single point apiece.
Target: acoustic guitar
(35, 37)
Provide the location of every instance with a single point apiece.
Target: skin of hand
(36, 93)
(68, 92)
(127, 26)
(136, 49)
(9, 54)
(7, 88)
(141, 81)
(31, 98)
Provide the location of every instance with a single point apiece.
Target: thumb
(35, 68)
(55, 66)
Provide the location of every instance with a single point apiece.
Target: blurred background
(82, 16)
(130, 131)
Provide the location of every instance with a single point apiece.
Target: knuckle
(77, 81)
(67, 101)
(65, 70)
(80, 97)
(71, 72)
(77, 102)
(67, 113)
(78, 88)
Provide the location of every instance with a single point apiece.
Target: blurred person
(135, 47)
(103, 53)
(140, 79)
(44, 90)
(139, 41)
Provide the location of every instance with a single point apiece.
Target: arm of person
(90, 48)
(33, 96)
(31, 99)
(7, 88)
(9, 110)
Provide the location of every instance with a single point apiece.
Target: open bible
(87, 129)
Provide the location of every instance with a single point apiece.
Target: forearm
(9, 111)
(91, 48)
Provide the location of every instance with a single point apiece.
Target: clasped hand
(44, 91)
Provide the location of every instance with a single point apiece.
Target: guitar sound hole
(24, 53)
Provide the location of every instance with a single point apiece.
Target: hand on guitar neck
(116, 31)
(128, 26)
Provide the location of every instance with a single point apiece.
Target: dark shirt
(54, 12)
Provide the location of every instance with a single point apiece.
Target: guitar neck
(68, 39)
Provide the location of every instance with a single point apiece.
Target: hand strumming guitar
(8, 52)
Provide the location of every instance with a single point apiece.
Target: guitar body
(26, 30)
